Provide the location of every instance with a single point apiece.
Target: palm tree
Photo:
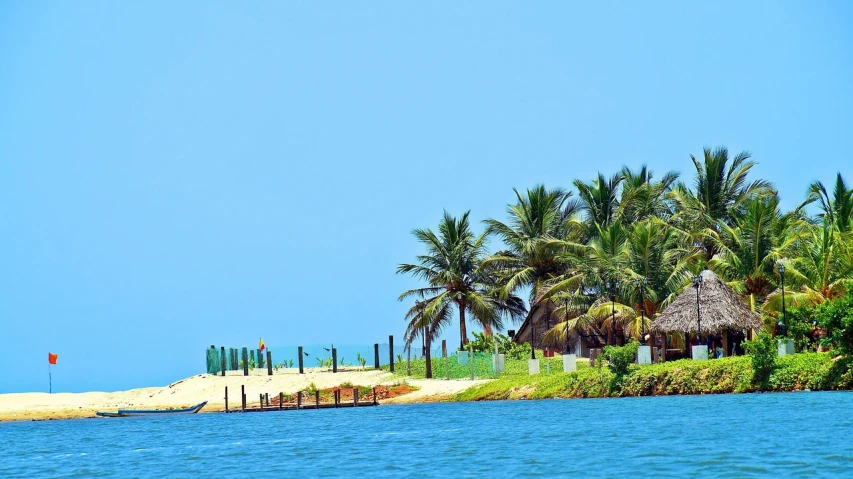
(598, 320)
(659, 260)
(599, 200)
(818, 269)
(838, 208)
(644, 198)
(720, 191)
(451, 269)
(532, 257)
(750, 248)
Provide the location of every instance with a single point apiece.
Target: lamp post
(613, 310)
(782, 275)
(697, 282)
(566, 303)
(642, 283)
(532, 337)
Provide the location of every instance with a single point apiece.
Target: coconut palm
(838, 208)
(720, 190)
(642, 197)
(602, 319)
(599, 200)
(451, 269)
(531, 257)
(749, 249)
(818, 270)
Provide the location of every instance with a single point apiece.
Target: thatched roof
(720, 308)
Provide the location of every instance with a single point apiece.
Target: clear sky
(180, 174)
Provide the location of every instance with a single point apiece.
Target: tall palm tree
(838, 207)
(531, 256)
(599, 200)
(749, 249)
(642, 197)
(451, 269)
(602, 318)
(720, 190)
(819, 269)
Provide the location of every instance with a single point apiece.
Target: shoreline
(205, 387)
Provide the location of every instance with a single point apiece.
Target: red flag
(261, 344)
(51, 358)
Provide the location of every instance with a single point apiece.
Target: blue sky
(180, 174)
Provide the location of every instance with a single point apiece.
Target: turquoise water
(751, 435)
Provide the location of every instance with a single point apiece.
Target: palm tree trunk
(463, 333)
(428, 357)
(487, 330)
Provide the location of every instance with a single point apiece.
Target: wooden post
(226, 398)
(299, 398)
(260, 359)
(222, 358)
(243, 394)
(355, 397)
(245, 361)
(317, 398)
(261, 401)
(334, 360)
(267, 397)
(300, 361)
(726, 343)
(252, 357)
(391, 351)
(269, 362)
(336, 396)
(375, 355)
(446, 359)
(374, 395)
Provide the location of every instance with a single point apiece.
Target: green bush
(799, 323)
(620, 358)
(837, 317)
(763, 352)
(506, 346)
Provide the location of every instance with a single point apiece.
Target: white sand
(205, 387)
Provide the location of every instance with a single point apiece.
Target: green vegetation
(763, 353)
(597, 255)
(814, 371)
(620, 358)
(506, 346)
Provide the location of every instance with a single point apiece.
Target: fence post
(243, 394)
(355, 397)
(317, 398)
(391, 350)
(222, 360)
(245, 361)
(260, 359)
(336, 396)
(374, 395)
(280, 400)
(269, 362)
(334, 360)
(261, 401)
(446, 359)
(375, 355)
(300, 360)
(226, 398)
(299, 399)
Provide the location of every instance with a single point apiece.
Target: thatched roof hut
(720, 308)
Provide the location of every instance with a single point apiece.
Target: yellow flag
(261, 345)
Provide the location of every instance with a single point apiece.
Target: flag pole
(49, 378)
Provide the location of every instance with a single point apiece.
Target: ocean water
(751, 435)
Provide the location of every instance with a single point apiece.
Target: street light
(642, 282)
(782, 275)
(697, 282)
(566, 298)
(613, 310)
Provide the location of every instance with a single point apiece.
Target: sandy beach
(205, 387)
